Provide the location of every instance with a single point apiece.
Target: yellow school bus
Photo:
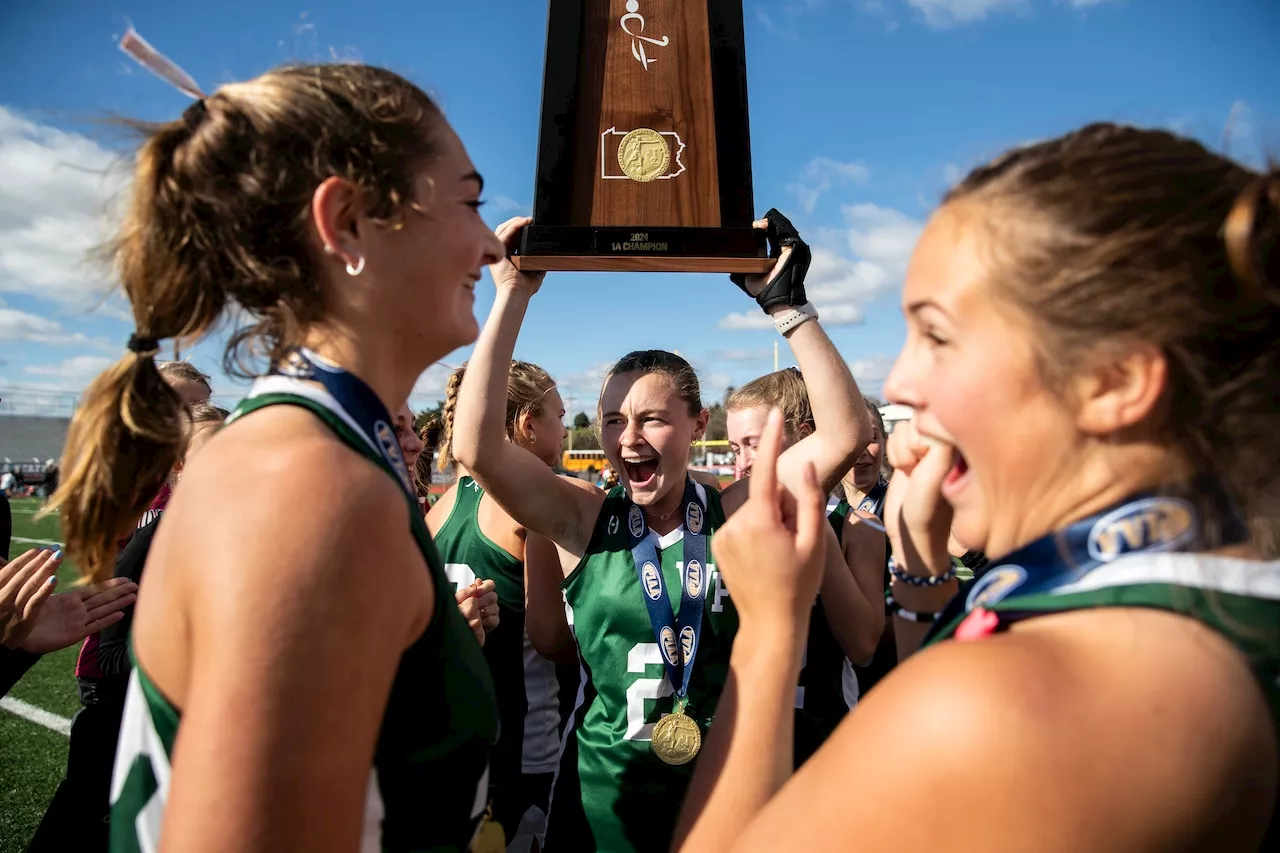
(578, 461)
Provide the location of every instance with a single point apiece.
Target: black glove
(787, 286)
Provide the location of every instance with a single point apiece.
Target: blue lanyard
(358, 400)
(677, 638)
(1144, 523)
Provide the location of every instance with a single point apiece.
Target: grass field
(32, 758)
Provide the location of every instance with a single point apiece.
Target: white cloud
(1241, 138)
(1083, 4)
(852, 266)
(54, 199)
(429, 389)
(505, 206)
(19, 327)
(871, 372)
(744, 320)
(822, 174)
(941, 14)
(77, 370)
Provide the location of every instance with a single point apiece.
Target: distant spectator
(410, 447)
(183, 376)
(8, 483)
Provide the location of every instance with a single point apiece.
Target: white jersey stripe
(1250, 578)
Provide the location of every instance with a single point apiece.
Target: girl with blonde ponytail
(485, 549)
(350, 238)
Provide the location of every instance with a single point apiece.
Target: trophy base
(641, 249)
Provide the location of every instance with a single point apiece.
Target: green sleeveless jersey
(1239, 599)
(525, 682)
(828, 687)
(611, 792)
(428, 786)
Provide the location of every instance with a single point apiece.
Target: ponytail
(126, 435)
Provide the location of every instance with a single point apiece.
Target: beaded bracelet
(896, 609)
(912, 580)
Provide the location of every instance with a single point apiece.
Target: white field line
(37, 541)
(39, 716)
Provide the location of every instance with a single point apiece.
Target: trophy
(644, 155)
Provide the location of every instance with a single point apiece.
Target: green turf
(33, 758)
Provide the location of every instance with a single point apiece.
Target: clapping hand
(26, 583)
(39, 622)
(478, 604)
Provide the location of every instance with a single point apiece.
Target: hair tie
(194, 114)
(143, 346)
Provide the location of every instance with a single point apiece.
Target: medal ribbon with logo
(358, 400)
(1145, 523)
(874, 501)
(676, 738)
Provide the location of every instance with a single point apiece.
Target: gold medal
(676, 739)
(643, 155)
(489, 837)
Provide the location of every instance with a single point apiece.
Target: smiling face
(427, 263)
(969, 370)
(543, 434)
(410, 444)
(646, 430)
(866, 471)
(744, 427)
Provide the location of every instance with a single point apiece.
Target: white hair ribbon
(159, 64)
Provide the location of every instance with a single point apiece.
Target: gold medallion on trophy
(643, 155)
(676, 739)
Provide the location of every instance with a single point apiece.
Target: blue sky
(862, 113)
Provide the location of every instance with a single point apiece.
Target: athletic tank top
(828, 687)
(428, 786)
(1239, 599)
(611, 792)
(525, 682)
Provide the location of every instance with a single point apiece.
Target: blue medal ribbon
(1143, 523)
(677, 637)
(874, 501)
(358, 400)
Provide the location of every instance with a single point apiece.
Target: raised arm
(842, 425)
(525, 487)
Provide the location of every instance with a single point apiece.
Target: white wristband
(785, 321)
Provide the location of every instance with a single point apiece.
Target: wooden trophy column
(644, 158)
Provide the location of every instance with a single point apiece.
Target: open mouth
(640, 472)
(957, 475)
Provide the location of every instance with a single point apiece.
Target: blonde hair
(784, 390)
(527, 387)
(219, 215)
